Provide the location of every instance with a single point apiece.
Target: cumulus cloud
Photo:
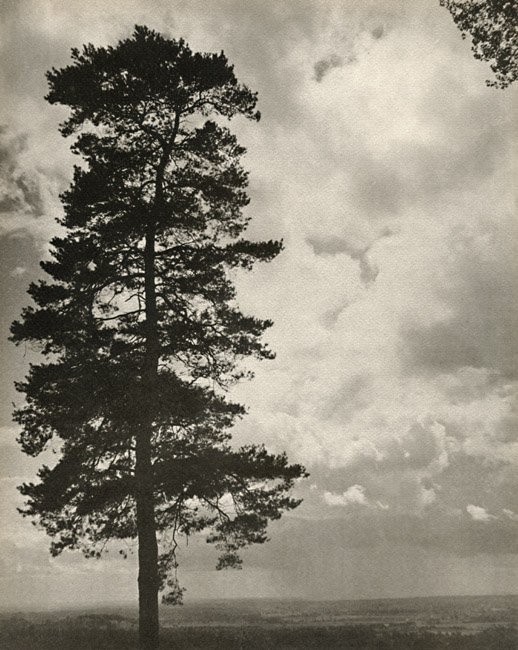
(18, 271)
(353, 495)
(479, 514)
(396, 371)
(29, 192)
(20, 190)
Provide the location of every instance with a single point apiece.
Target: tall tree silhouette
(139, 326)
(493, 26)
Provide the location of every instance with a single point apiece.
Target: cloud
(18, 271)
(478, 328)
(378, 32)
(349, 45)
(323, 66)
(20, 190)
(29, 190)
(391, 181)
(396, 353)
(353, 495)
(320, 553)
(479, 514)
(333, 245)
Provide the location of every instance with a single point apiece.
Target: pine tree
(138, 325)
(493, 26)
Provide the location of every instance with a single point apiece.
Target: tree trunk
(147, 546)
(148, 582)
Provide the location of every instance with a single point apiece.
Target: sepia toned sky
(389, 169)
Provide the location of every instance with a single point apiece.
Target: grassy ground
(71, 634)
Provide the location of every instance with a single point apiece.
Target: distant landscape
(459, 623)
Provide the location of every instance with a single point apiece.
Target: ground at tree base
(463, 623)
(23, 635)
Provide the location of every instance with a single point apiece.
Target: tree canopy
(493, 26)
(138, 325)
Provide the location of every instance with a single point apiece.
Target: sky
(388, 168)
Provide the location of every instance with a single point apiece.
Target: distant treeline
(80, 634)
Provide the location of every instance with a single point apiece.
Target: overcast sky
(388, 168)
